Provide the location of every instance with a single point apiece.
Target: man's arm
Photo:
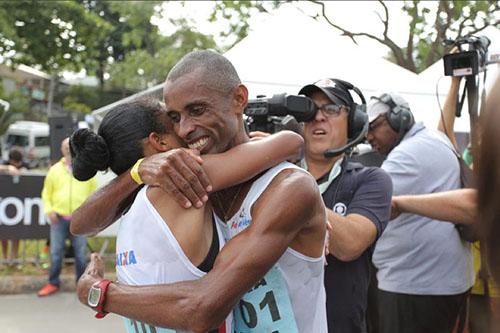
(458, 206)
(247, 160)
(350, 236)
(367, 215)
(107, 204)
(203, 304)
(447, 119)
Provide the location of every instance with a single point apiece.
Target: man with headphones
(357, 199)
(424, 269)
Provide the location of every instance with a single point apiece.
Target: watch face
(94, 296)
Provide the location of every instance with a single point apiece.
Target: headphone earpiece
(399, 117)
(357, 112)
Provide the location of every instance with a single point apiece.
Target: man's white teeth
(198, 144)
(319, 132)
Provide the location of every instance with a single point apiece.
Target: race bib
(266, 308)
(134, 326)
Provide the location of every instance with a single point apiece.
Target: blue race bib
(266, 307)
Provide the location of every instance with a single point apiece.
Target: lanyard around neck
(334, 172)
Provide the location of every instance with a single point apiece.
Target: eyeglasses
(331, 110)
(377, 123)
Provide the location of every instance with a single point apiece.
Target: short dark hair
(218, 71)
(118, 142)
(15, 154)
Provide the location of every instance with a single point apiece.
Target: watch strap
(103, 286)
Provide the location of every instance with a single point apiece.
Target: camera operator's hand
(257, 135)
(179, 173)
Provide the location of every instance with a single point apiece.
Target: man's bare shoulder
(295, 178)
(292, 203)
(293, 186)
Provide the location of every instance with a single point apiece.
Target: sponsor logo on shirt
(240, 222)
(126, 258)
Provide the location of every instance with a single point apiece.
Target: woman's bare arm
(247, 160)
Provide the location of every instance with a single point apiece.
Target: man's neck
(227, 201)
(240, 138)
(317, 167)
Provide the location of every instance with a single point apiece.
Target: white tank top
(148, 253)
(291, 296)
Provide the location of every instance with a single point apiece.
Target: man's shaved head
(218, 72)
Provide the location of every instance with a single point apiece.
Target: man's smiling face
(203, 116)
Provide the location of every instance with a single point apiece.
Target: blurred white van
(32, 137)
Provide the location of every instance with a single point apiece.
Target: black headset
(399, 117)
(357, 122)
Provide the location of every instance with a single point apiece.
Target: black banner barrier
(21, 207)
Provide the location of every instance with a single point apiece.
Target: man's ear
(240, 99)
(158, 142)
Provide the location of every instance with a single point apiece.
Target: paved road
(59, 313)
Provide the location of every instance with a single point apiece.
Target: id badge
(266, 308)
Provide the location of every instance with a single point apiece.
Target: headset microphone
(357, 122)
(336, 152)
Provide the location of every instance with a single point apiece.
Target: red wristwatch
(97, 296)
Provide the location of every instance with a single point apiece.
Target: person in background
(484, 294)
(488, 185)
(13, 166)
(424, 268)
(62, 194)
(357, 201)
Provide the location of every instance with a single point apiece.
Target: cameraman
(424, 268)
(459, 206)
(357, 200)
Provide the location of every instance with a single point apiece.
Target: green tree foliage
(114, 40)
(53, 35)
(431, 22)
(141, 69)
(19, 104)
(82, 99)
(130, 30)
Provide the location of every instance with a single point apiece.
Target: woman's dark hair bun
(89, 153)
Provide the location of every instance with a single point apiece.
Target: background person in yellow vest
(62, 194)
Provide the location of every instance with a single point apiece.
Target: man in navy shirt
(358, 202)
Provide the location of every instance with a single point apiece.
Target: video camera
(470, 62)
(279, 112)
